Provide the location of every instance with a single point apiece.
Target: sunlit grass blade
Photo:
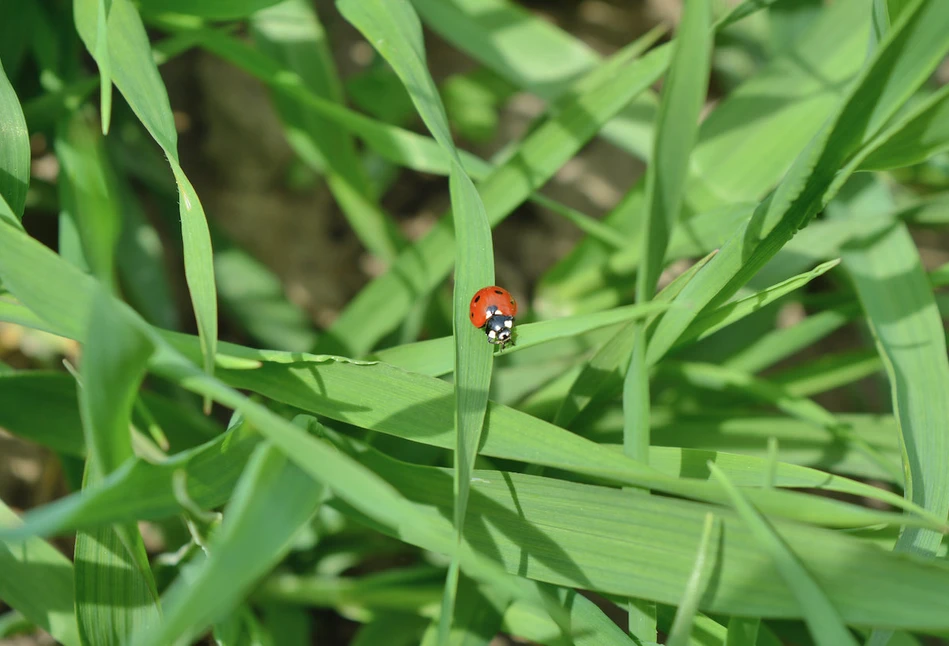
(38, 582)
(103, 60)
(138, 80)
(707, 324)
(829, 372)
(822, 618)
(698, 582)
(516, 503)
(433, 357)
(115, 589)
(919, 135)
(897, 299)
(290, 32)
(677, 122)
(112, 369)
(273, 499)
(14, 151)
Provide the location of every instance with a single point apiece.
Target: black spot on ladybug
(477, 298)
(498, 291)
(471, 315)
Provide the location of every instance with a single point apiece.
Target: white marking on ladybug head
(509, 323)
(492, 334)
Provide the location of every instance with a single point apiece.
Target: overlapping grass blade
(520, 436)
(393, 28)
(640, 533)
(273, 499)
(291, 34)
(38, 582)
(433, 357)
(698, 583)
(914, 46)
(14, 152)
(677, 122)
(590, 625)
(384, 302)
(919, 135)
(136, 76)
(115, 589)
(721, 317)
(519, 46)
(896, 296)
(778, 109)
(822, 618)
(65, 303)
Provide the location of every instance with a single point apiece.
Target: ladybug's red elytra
(493, 309)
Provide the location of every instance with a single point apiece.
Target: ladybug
(493, 309)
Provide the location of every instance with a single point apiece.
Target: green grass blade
(14, 151)
(141, 263)
(88, 193)
(23, 392)
(909, 54)
(115, 591)
(590, 625)
(394, 30)
(626, 534)
(291, 33)
(683, 95)
(210, 9)
(698, 582)
(897, 299)
(918, 136)
(707, 324)
(112, 369)
(822, 618)
(433, 357)
(38, 582)
(256, 297)
(273, 499)
(136, 76)
(103, 60)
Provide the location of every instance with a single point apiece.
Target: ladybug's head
(499, 328)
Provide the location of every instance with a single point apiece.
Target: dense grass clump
(724, 419)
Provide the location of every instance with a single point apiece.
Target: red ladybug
(493, 309)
